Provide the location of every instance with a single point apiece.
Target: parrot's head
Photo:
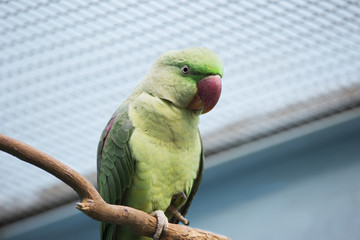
(189, 78)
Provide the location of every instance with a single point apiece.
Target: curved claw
(162, 224)
(178, 215)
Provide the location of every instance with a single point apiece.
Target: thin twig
(91, 202)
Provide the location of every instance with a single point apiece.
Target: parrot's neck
(162, 120)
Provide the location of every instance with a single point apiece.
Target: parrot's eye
(185, 69)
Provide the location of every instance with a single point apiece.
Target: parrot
(150, 154)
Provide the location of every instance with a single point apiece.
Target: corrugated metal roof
(66, 66)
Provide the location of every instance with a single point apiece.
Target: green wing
(184, 209)
(115, 164)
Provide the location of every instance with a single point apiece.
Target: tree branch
(91, 202)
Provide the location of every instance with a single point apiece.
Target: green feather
(117, 182)
(112, 189)
(109, 164)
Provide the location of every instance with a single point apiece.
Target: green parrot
(150, 154)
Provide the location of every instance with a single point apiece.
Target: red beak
(208, 94)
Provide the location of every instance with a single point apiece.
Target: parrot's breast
(166, 145)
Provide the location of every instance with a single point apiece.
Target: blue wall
(306, 188)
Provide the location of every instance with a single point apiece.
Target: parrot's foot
(162, 224)
(178, 215)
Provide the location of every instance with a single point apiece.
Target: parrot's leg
(162, 224)
(178, 215)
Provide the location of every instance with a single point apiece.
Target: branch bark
(91, 203)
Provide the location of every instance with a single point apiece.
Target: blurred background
(282, 145)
